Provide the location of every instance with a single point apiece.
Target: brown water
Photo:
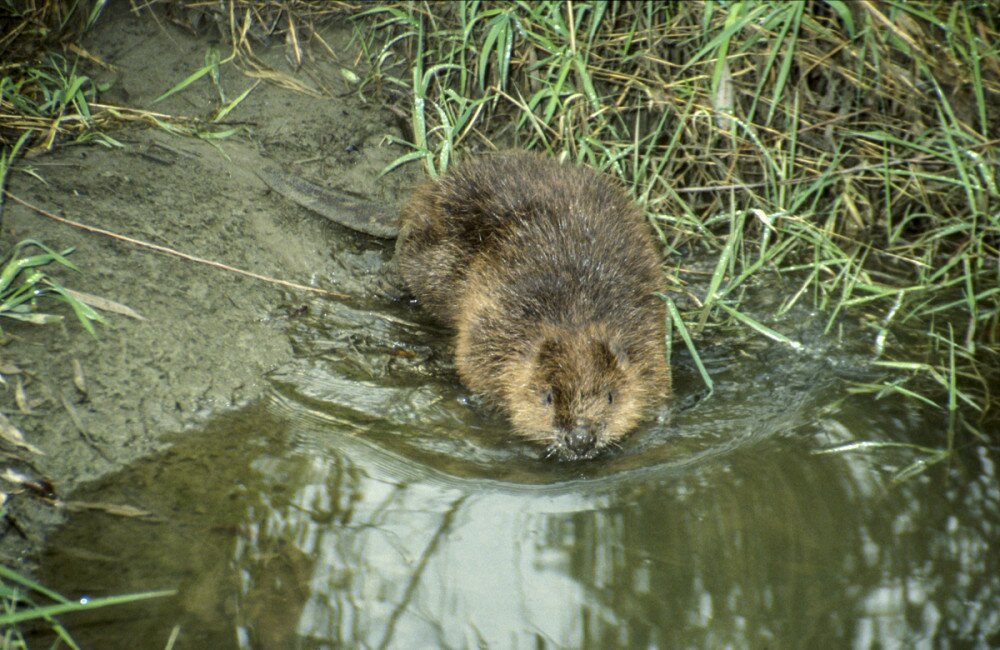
(368, 502)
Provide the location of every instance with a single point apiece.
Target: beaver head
(578, 391)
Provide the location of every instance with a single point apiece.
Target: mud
(209, 337)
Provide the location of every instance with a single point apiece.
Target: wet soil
(209, 337)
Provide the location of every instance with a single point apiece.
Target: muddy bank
(209, 337)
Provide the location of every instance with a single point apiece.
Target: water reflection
(284, 529)
(369, 502)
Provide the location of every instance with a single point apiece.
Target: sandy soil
(209, 337)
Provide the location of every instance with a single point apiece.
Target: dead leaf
(111, 508)
(293, 51)
(13, 435)
(21, 398)
(78, 379)
(9, 368)
(40, 486)
(282, 80)
(724, 100)
(104, 304)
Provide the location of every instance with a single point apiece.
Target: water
(370, 502)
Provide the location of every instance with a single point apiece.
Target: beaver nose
(580, 440)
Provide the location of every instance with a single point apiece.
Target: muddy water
(369, 502)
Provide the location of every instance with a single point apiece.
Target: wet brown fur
(547, 274)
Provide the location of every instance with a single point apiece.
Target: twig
(170, 251)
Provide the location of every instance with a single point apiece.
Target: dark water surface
(369, 503)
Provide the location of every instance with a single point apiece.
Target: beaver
(547, 274)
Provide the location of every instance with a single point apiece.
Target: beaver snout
(580, 441)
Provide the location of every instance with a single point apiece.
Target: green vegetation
(42, 93)
(45, 100)
(23, 286)
(846, 150)
(22, 600)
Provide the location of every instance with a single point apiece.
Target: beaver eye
(611, 397)
(547, 397)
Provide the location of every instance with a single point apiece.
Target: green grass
(46, 101)
(849, 150)
(25, 288)
(23, 600)
(49, 100)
